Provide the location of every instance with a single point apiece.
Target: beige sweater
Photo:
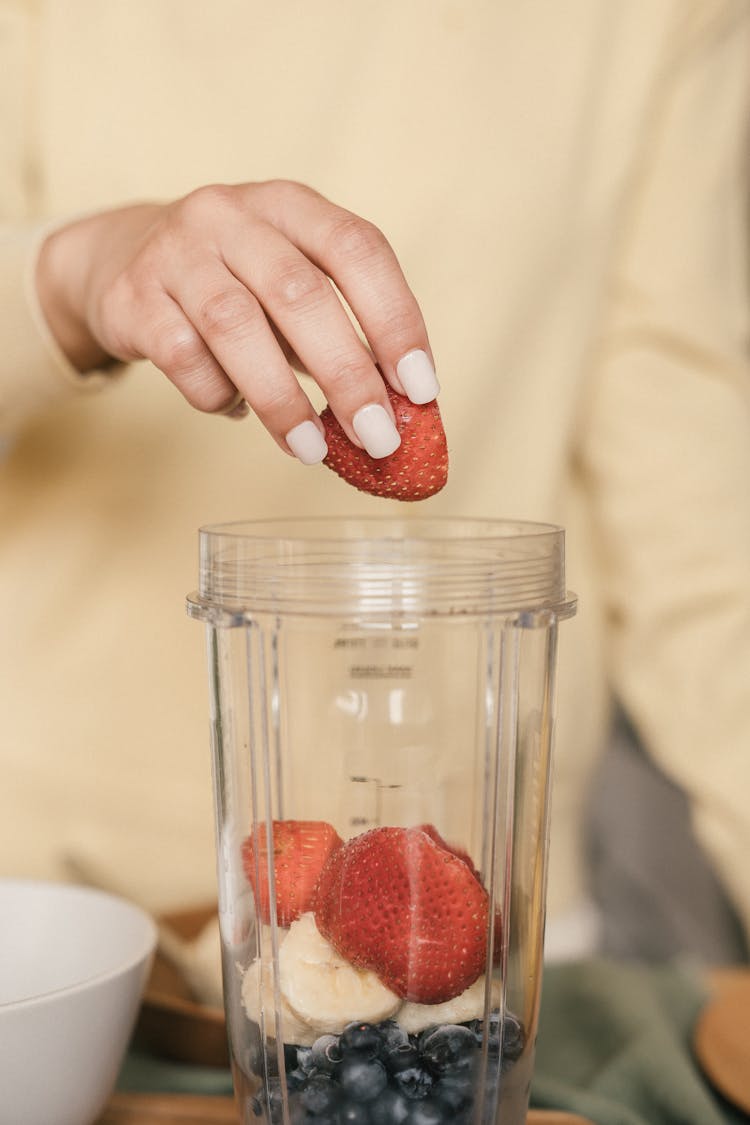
(565, 187)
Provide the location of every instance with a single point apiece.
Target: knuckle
(207, 394)
(355, 239)
(112, 300)
(224, 313)
(278, 196)
(347, 375)
(283, 189)
(178, 349)
(275, 400)
(113, 314)
(298, 285)
(201, 205)
(402, 326)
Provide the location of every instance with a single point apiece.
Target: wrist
(60, 278)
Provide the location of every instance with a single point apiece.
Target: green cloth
(614, 1046)
(144, 1074)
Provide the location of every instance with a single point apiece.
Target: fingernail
(376, 431)
(241, 410)
(307, 443)
(418, 376)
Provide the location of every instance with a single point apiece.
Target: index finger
(357, 256)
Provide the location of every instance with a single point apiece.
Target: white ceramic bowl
(73, 966)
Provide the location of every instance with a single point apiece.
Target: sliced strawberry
(300, 850)
(394, 901)
(418, 468)
(497, 935)
(433, 833)
(459, 853)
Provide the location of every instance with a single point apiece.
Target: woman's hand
(224, 289)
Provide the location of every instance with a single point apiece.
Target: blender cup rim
(400, 528)
(376, 566)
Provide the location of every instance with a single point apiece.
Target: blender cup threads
(381, 722)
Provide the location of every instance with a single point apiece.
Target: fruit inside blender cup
(382, 999)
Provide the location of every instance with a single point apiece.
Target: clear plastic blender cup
(381, 723)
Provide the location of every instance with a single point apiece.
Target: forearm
(60, 284)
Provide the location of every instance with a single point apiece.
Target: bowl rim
(146, 948)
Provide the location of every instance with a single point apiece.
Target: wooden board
(171, 1024)
(184, 1109)
(169, 1109)
(721, 1039)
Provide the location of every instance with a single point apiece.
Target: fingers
(235, 328)
(230, 284)
(302, 304)
(360, 260)
(177, 349)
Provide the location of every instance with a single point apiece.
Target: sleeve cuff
(35, 375)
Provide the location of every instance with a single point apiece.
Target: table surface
(189, 1109)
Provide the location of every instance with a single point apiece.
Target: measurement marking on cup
(380, 671)
(378, 785)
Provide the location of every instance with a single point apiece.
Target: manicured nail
(418, 376)
(374, 428)
(307, 443)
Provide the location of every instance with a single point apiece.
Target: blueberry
(514, 1037)
(392, 1035)
(320, 1095)
(304, 1059)
(271, 1098)
(493, 1046)
(354, 1113)
(362, 1078)
(401, 1057)
(256, 1105)
(415, 1082)
(451, 1047)
(426, 1113)
(454, 1092)
(325, 1054)
(391, 1108)
(493, 1035)
(296, 1079)
(362, 1038)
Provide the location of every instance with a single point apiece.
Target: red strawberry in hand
(300, 850)
(418, 468)
(394, 901)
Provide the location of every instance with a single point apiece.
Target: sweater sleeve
(35, 375)
(665, 440)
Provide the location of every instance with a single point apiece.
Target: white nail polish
(376, 431)
(418, 376)
(307, 443)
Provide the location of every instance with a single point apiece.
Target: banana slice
(258, 994)
(468, 1005)
(324, 990)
